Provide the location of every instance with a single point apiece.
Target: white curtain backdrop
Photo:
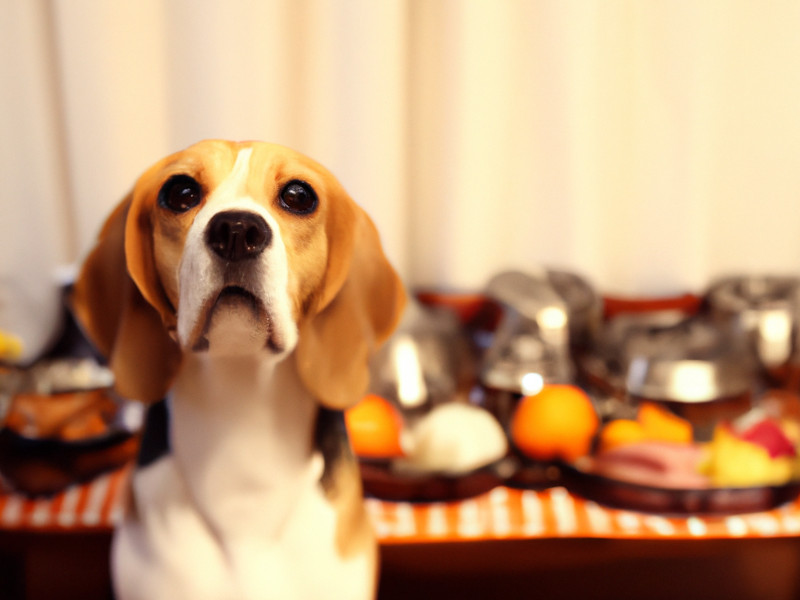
(649, 145)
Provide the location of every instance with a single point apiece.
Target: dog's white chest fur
(236, 510)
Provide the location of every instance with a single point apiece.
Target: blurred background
(648, 146)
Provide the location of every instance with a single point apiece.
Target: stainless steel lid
(765, 309)
(542, 314)
(584, 305)
(691, 361)
(426, 361)
(609, 358)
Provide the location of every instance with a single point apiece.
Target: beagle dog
(240, 282)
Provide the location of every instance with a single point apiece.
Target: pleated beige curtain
(649, 145)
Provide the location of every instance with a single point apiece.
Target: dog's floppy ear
(115, 316)
(358, 308)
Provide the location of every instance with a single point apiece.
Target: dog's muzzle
(234, 301)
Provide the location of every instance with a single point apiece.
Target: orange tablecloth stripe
(93, 506)
(507, 513)
(502, 513)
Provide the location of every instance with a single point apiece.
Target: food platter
(664, 501)
(63, 424)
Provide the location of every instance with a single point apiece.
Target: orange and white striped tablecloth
(505, 513)
(97, 505)
(502, 513)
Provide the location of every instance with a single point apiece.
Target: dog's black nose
(237, 235)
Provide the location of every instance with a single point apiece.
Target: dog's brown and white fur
(241, 282)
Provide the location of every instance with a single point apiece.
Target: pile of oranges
(558, 423)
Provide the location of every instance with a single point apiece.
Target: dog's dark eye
(298, 197)
(180, 193)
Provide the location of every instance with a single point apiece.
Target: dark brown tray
(707, 501)
(381, 481)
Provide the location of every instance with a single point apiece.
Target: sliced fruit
(769, 435)
(734, 462)
(662, 425)
(621, 432)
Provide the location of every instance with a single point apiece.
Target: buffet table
(501, 514)
(506, 541)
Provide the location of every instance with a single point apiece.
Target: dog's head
(231, 248)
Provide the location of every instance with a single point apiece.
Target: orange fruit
(374, 427)
(558, 422)
(662, 425)
(621, 432)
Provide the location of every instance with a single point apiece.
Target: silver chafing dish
(765, 310)
(546, 316)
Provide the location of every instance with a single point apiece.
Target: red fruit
(769, 435)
